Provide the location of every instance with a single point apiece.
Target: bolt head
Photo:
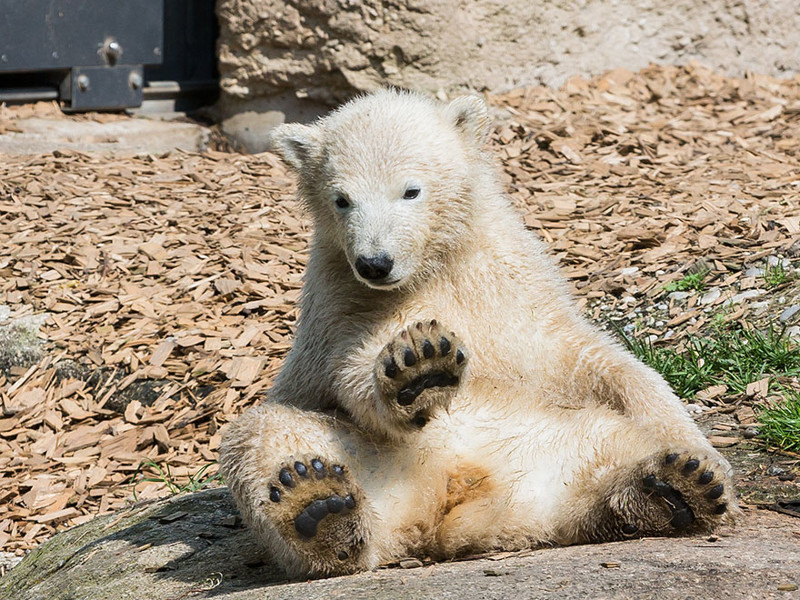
(135, 81)
(83, 82)
(112, 50)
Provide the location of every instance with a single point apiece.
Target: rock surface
(289, 55)
(20, 344)
(183, 546)
(247, 130)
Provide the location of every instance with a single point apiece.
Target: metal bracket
(102, 88)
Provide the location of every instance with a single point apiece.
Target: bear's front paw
(419, 371)
(319, 510)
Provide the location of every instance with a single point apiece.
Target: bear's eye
(341, 202)
(411, 193)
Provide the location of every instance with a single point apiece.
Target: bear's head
(390, 179)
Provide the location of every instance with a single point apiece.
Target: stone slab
(119, 137)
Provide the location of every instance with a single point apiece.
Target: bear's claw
(417, 372)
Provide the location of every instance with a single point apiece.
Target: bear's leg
(669, 489)
(291, 473)
(613, 377)
(418, 373)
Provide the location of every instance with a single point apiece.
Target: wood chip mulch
(187, 267)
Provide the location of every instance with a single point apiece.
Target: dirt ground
(167, 283)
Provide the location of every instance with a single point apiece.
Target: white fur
(554, 414)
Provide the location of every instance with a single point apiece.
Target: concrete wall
(298, 55)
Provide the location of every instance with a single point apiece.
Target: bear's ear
(295, 143)
(470, 116)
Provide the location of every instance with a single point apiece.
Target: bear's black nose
(374, 267)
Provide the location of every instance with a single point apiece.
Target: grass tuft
(734, 358)
(163, 474)
(691, 281)
(775, 275)
(780, 425)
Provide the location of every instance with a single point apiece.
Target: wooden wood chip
(188, 267)
(758, 388)
(719, 441)
(244, 370)
(226, 286)
(132, 411)
(73, 410)
(162, 352)
(59, 515)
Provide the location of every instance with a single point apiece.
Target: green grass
(775, 275)
(691, 281)
(734, 358)
(719, 320)
(780, 426)
(151, 471)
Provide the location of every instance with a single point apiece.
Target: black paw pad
(301, 469)
(670, 459)
(420, 421)
(318, 467)
(305, 525)
(274, 494)
(444, 346)
(705, 478)
(318, 510)
(427, 349)
(720, 509)
(409, 358)
(629, 529)
(338, 470)
(406, 397)
(408, 394)
(682, 516)
(390, 368)
(459, 357)
(335, 504)
(286, 478)
(307, 521)
(715, 492)
(691, 466)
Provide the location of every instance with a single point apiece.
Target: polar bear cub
(443, 394)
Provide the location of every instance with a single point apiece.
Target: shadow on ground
(159, 549)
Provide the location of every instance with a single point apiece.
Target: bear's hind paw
(697, 489)
(675, 493)
(319, 511)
